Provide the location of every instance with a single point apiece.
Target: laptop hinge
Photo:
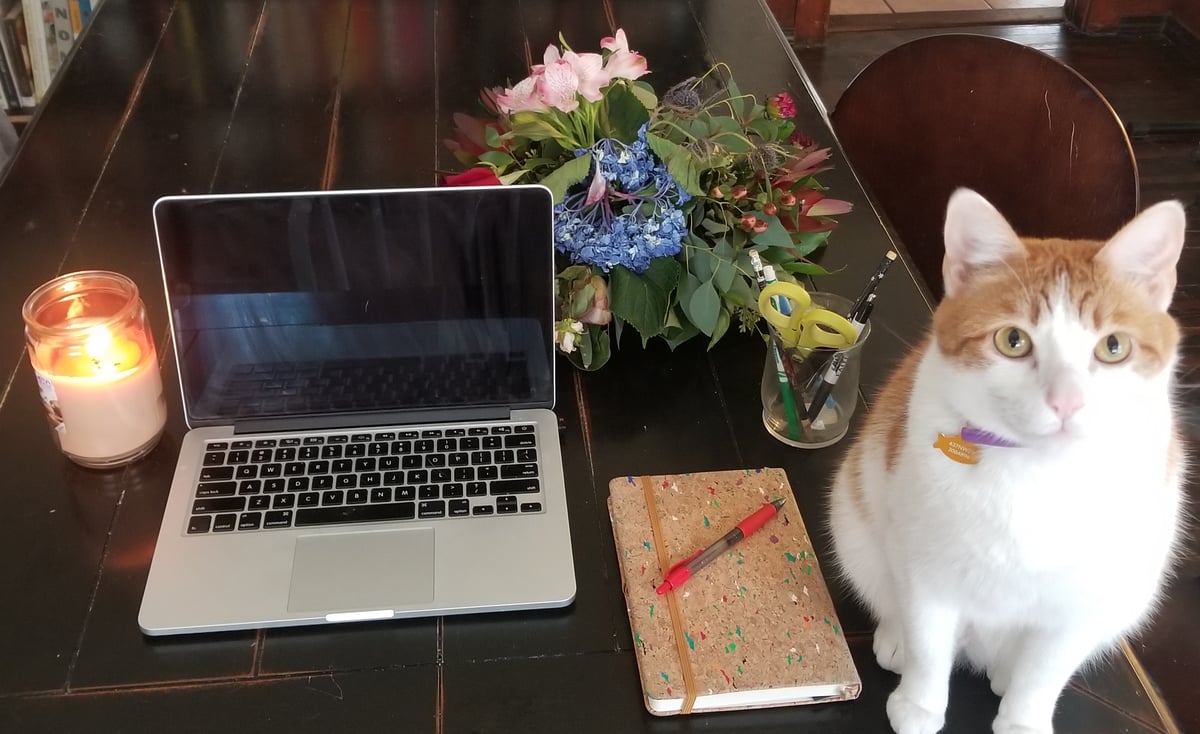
(362, 420)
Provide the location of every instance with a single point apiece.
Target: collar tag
(957, 449)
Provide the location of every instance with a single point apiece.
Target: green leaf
(497, 159)
(712, 225)
(582, 300)
(566, 176)
(805, 268)
(740, 293)
(512, 177)
(621, 114)
(701, 262)
(705, 308)
(645, 94)
(643, 300)
(680, 333)
(724, 272)
(592, 350)
(807, 242)
(681, 164)
(776, 234)
(721, 328)
(533, 126)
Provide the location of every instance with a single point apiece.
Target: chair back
(1023, 129)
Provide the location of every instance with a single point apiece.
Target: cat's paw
(999, 680)
(1004, 725)
(907, 717)
(889, 651)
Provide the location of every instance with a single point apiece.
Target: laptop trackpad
(381, 569)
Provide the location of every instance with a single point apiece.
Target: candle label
(50, 401)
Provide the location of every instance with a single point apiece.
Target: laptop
(368, 380)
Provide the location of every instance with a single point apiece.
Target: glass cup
(96, 367)
(812, 371)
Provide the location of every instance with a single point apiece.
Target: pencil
(872, 283)
(789, 389)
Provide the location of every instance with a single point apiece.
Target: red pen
(684, 570)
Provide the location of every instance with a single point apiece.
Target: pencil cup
(790, 417)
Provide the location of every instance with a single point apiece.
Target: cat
(1058, 357)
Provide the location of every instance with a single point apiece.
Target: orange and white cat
(1038, 531)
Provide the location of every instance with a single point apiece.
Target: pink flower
(597, 189)
(557, 86)
(781, 105)
(478, 176)
(588, 67)
(521, 98)
(470, 137)
(622, 63)
(598, 313)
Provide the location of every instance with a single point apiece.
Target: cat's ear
(977, 236)
(1148, 248)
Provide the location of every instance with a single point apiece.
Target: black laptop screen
(287, 305)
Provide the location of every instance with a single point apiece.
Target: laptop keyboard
(338, 477)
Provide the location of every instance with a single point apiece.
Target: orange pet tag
(957, 448)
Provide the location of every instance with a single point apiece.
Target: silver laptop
(369, 379)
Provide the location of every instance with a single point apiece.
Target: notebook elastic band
(685, 660)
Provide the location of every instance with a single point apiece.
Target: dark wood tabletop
(166, 97)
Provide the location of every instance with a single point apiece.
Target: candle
(96, 366)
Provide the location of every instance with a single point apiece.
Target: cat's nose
(1065, 401)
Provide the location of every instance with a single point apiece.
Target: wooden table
(166, 97)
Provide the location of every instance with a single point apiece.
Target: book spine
(64, 35)
(35, 40)
(18, 62)
(12, 102)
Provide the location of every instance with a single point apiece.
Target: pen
(838, 363)
(785, 371)
(684, 570)
(785, 388)
(872, 283)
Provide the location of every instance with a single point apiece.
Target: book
(754, 628)
(35, 36)
(15, 51)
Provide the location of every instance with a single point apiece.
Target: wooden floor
(1150, 73)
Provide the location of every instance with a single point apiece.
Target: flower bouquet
(658, 200)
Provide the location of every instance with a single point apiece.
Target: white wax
(106, 416)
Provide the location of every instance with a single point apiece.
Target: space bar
(355, 513)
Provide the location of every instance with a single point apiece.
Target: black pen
(872, 283)
(838, 363)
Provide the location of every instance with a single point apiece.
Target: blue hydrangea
(640, 219)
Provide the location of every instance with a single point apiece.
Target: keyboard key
(446, 445)
(331, 497)
(218, 504)
(278, 518)
(506, 508)
(428, 491)
(289, 442)
(224, 523)
(452, 489)
(483, 510)
(274, 485)
(501, 429)
(370, 479)
(515, 486)
(527, 456)
(265, 443)
(406, 493)
(214, 458)
(199, 524)
(531, 507)
(293, 468)
(324, 481)
(364, 464)
(298, 484)
(377, 449)
(492, 442)
(361, 437)
(460, 508)
(313, 440)
(341, 438)
(513, 471)
(520, 441)
(423, 446)
(342, 466)
(216, 473)
(308, 499)
(477, 431)
(431, 433)
(248, 486)
(385, 436)
(476, 489)
(331, 452)
(241, 444)
(355, 513)
(381, 494)
(271, 470)
(524, 428)
(356, 450)
(454, 432)
(439, 475)
(249, 521)
(283, 501)
(260, 502)
(308, 452)
(346, 481)
(258, 456)
(504, 456)
(216, 489)
(431, 508)
(216, 446)
(356, 496)
(487, 472)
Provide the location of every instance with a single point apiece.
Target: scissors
(808, 327)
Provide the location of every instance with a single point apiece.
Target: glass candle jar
(96, 366)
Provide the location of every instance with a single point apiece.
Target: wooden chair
(1018, 126)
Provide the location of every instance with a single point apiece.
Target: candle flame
(99, 347)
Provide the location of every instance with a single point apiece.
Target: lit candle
(96, 366)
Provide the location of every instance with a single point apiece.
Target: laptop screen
(301, 304)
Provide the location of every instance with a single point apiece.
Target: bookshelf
(36, 38)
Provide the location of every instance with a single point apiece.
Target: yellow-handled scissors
(807, 327)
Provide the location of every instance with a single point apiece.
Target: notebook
(368, 380)
(756, 626)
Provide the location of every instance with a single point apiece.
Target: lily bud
(770, 208)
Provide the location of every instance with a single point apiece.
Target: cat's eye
(1114, 348)
(1013, 342)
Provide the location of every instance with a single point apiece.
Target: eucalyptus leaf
(740, 293)
(712, 225)
(566, 176)
(724, 271)
(688, 285)
(810, 241)
(705, 307)
(701, 262)
(675, 337)
(721, 328)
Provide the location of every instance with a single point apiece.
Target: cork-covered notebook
(755, 627)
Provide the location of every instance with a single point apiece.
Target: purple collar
(984, 438)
